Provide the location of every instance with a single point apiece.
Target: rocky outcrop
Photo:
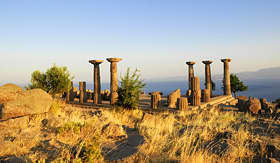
(254, 105)
(35, 101)
(9, 92)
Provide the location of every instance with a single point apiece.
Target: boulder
(9, 92)
(254, 105)
(35, 101)
(113, 131)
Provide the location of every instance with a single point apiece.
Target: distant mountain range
(262, 74)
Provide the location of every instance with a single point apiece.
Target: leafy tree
(55, 80)
(237, 85)
(129, 90)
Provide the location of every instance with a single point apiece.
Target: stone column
(155, 100)
(227, 89)
(208, 80)
(97, 82)
(114, 79)
(82, 92)
(191, 72)
(72, 95)
(206, 95)
(196, 92)
(183, 103)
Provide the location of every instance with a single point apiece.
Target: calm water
(260, 89)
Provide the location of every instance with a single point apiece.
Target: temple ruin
(194, 97)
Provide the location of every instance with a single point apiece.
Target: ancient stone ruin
(114, 79)
(173, 98)
(196, 92)
(193, 97)
(183, 103)
(97, 82)
(155, 100)
(227, 89)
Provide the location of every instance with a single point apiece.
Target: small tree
(129, 90)
(55, 80)
(237, 85)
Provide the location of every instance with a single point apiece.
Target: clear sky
(156, 36)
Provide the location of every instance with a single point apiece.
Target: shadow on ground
(125, 148)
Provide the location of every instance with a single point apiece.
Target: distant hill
(262, 74)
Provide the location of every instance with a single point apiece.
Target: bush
(55, 80)
(130, 89)
(70, 126)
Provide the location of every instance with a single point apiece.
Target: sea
(269, 89)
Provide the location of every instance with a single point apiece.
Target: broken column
(206, 95)
(155, 100)
(82, 92)
(97, 82)
(196, 92)
(70, 93)
(191, 72)
(114, 79)
(208, 80)
(183, 103)
(227, 89)
(173, 98)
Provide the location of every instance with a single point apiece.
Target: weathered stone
(70, 94)
(206, 95)
(267, 106)
(17, 122)
(114, 79)
(34, 101)
(191, 72)
(113, 131)
(83, 98)
(208, 80)
(155, 100)
(196, 98)
(242, 103)
(183, 103)
(9, 92)
(254, 105)
(227, 89)
(196, 92)
(173, 98)
(97, 81)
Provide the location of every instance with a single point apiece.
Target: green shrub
(55, 80)
(129, 90)
(91, 150)
(71, 126)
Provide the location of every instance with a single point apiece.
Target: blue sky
(156, 36)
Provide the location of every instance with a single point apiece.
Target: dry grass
(74, 134)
